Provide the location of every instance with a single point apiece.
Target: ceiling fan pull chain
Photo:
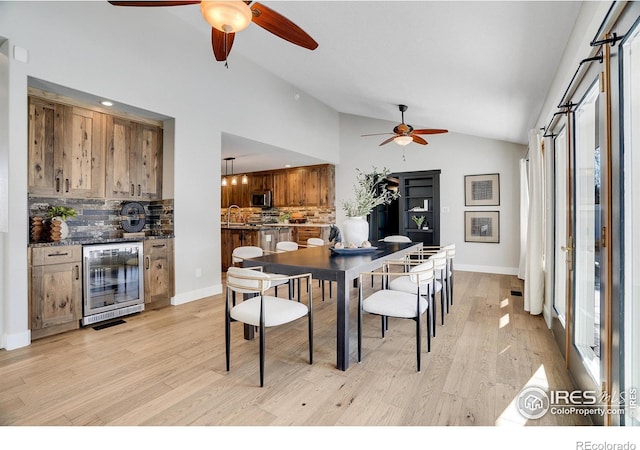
(226, 54)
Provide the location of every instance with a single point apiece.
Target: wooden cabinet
(66, 150)
(300, 186)
(134, 160)
(260, 181)
(158, 273)
(232, 238)
(301, 234)
(238, 194)
(280, 188)
(56, 290)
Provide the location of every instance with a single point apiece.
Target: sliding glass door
(588, 282)
(630, 69)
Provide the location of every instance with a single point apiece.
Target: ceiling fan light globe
(227, 16)
(403, 140)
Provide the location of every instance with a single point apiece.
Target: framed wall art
(482, 190)
(482, 226)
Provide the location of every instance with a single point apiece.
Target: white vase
(355, 230)
(64, 228)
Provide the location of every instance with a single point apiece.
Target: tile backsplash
(102, 219)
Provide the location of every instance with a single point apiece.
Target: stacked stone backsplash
(271, 215)
(99, 219)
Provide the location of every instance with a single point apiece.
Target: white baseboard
(16, 340)
(486, 269)
(198, 294)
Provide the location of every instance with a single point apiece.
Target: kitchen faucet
(229, 213)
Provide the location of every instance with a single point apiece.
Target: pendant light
(245, 179)
(226, 171)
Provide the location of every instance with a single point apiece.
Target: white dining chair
(261, 310)
(400, 304)
(286, 246)
(241, 253)
(396, 238)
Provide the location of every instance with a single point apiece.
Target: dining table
(340, 265)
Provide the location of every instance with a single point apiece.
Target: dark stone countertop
(91, 241)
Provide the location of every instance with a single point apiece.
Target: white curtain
(534, 265)
(524, 216)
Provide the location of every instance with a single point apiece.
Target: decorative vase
(355, 230)
(37, 228)
(58, 229)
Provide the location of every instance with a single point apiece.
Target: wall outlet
(445, 209)
(198, 272)
(268, 238)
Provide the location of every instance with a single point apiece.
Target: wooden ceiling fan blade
(221, 43)
(144, 4)
(429, 131)
(282, 27)
(387, 141)
(419, 140)
(374, 134)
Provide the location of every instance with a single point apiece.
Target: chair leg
(359, 326)
(418, 341)
(310, 338)
(429, 330)
(227, 332)
(261, 355)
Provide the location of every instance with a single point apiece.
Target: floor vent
(109, 324)
(516, 293)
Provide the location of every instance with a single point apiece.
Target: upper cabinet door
(134, 160)
(66, 150)
(45, 147)
(121, 161)
(149, 174)
(84, 153)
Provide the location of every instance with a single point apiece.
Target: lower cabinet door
(56, 298)
(158, 272)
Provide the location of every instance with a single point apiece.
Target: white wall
(137, 56)
(456, 155)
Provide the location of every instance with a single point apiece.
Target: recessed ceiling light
(287, 165)
(106, 103)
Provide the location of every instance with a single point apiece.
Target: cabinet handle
(58, 254)
(159, 245)
(77, 272)
(66, 184)
(132, 191)
(57, 184)
(148, 262)
(139, 190)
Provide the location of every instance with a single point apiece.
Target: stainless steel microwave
(261, 199)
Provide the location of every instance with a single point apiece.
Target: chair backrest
(422, 273)
(286, 246)
(247, 281)
(451, 250)
(439, 260)
(396, 238)
(239, 254)
(315, 242)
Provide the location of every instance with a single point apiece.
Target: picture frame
(482, 190)
(482, 226)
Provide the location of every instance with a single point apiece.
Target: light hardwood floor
(167, 367)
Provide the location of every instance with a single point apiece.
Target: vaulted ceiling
(474, 67)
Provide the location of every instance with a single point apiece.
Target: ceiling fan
(228, 17)
(404, 134)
